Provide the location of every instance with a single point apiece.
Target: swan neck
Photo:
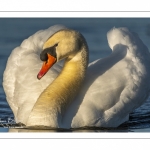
(56, 98)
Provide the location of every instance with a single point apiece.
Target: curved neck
(55, 99)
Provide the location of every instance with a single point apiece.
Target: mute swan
(68, 96)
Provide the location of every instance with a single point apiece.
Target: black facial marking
(50, 50)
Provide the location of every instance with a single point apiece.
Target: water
(14, 30)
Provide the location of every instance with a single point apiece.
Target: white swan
(70, 96)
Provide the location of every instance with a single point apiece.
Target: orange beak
(46, 66)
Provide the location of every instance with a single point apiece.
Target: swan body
(74, 93)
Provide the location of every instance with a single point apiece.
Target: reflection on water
(24, 130)
(21, 128)
(82, 130)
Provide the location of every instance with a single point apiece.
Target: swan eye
(56, 45)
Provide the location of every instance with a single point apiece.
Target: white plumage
(114, 86)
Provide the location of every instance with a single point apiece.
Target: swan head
(63, 44)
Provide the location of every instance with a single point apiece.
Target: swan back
(114, 85)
